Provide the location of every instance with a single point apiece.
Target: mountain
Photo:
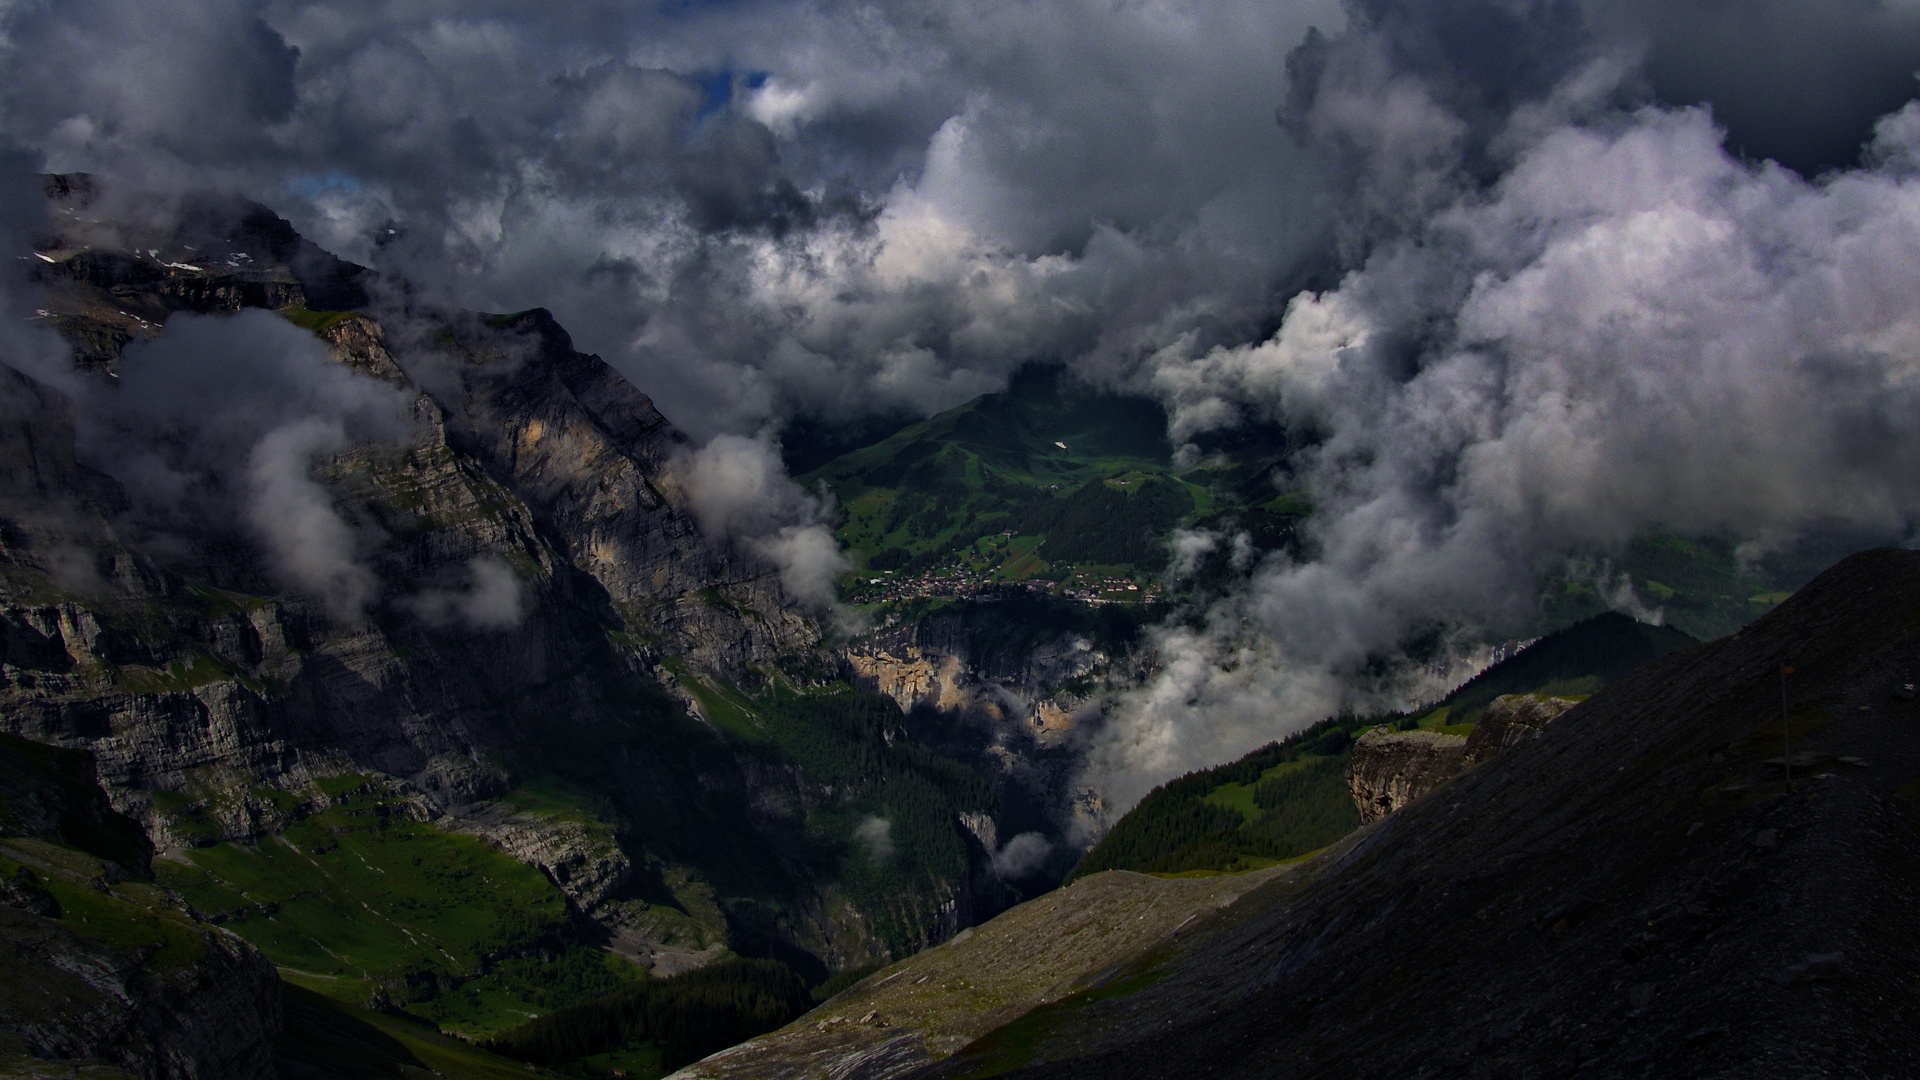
(1292, 797)
(385, 637)
(1636, 891)
(1053, 483)
(440, 700)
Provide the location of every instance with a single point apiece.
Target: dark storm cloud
(1798, 82)
(897, 205)
(194, 82)
(220, 421)
(1569, 310)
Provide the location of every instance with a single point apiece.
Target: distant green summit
(1045, 480)
(1290, 798)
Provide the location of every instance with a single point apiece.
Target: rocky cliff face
(522, 563)
(1011, 686)
(1389, 769)
(1510, 720)
(101, 966)
(1023, 692)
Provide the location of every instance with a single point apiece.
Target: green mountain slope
(1290, 798)
(660, 1025)
(366, 906)
(1044, 479)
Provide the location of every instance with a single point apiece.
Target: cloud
(1190, 548)
(1628, 327)
(1022, 855)
(165, 87)
(1802, 83)
(875, 837)
(836, 209)
(809, 558)
(739, 491)
(755, 211)
(308, 541)
(495, 598)
(219, 422)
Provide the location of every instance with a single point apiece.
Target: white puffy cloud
(495, 598)
(1022, 855)
(1631, 329)
(740, 492)
(306, 539)
(220, 420)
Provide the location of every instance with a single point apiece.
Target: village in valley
(1090, 587)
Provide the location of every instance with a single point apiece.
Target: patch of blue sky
(313, 185)
(718, 87)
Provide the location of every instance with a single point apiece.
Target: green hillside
(657, 1026)
(1572, 663)
(1290, 798)
(1053, 484)
(363, 904)
(1045, 480)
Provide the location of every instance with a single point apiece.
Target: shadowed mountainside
(1292, 797)
(1633, 892)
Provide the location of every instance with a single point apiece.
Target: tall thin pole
(1786, 728)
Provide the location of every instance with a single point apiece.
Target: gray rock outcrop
(1511, 720)
(1389, 769)
(67, 996)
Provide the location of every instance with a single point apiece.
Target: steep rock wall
(101, 965)
(1389, 769)
(192, 671)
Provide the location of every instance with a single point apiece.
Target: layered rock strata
(1389, 769)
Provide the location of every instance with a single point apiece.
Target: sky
(1523, 278)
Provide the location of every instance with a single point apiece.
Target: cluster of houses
(980, 585)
